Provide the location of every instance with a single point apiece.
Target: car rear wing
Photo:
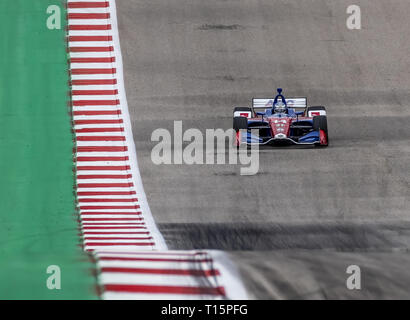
(267, 103)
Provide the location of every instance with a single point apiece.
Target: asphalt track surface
(293, 228)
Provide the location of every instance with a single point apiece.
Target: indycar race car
(281, 121)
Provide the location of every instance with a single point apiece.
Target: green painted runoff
(38, 226)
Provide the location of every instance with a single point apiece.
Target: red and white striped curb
(116, 221)
(165, 275)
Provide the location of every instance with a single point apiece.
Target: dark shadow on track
(276, 236)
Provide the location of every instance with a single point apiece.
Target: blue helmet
(279, 104)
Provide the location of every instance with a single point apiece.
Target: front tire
(240, 123)
(320, 123)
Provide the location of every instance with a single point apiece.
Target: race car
(281, 121)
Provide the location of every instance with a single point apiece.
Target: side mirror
(300, 113)
(260, 113)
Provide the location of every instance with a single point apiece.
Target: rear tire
(247, 109)
(314, 108)
(320, 123)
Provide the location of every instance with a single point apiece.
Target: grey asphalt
(294, 227)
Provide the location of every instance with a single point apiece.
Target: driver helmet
(280, 107)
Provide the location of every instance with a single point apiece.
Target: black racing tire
(314, 108)
(240, 123)
(320, 123)
(242, 109)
